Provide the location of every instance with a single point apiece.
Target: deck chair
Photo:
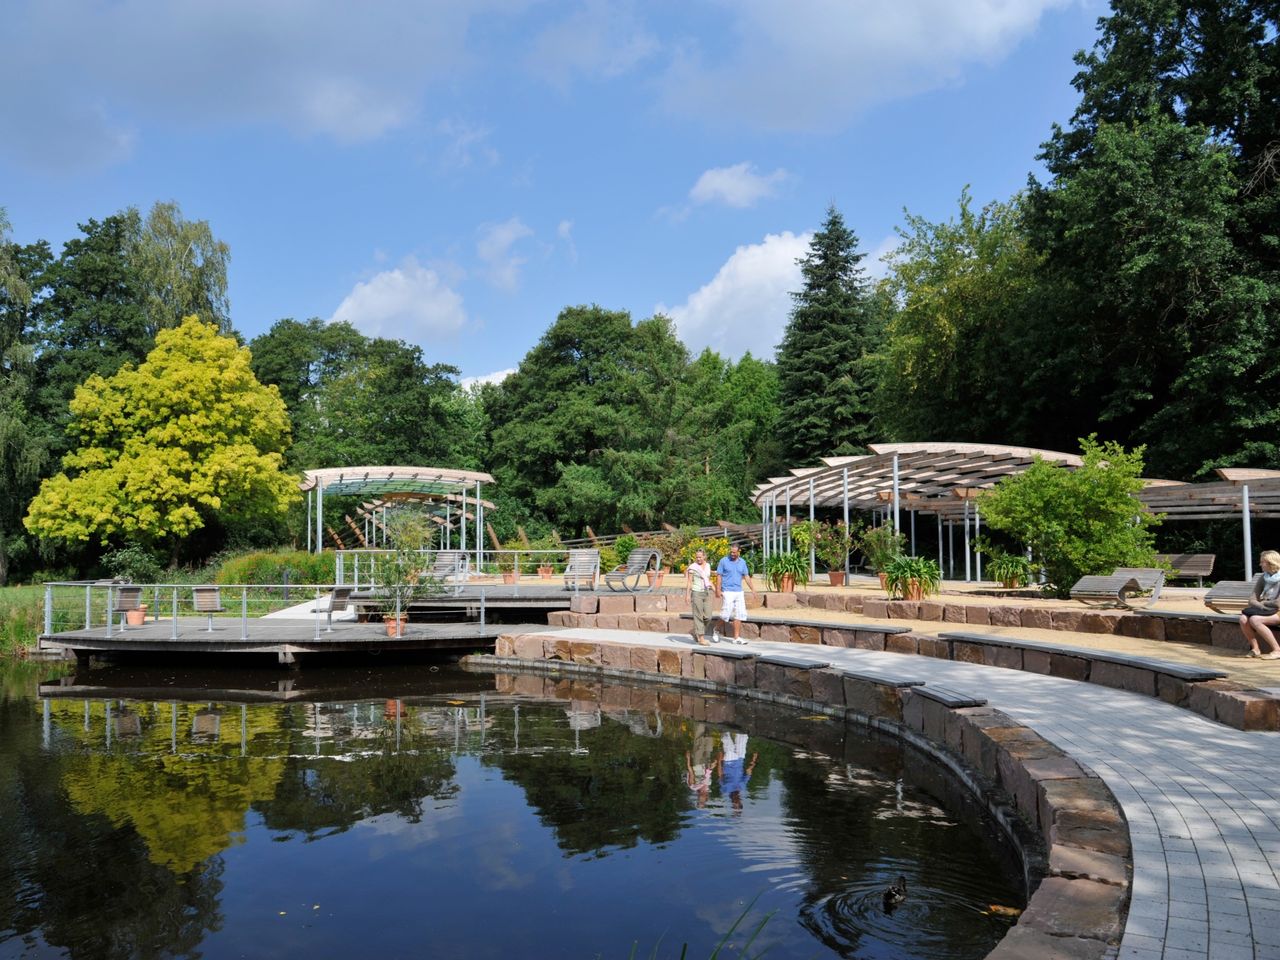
(637, 565)
(1229, 596)
(127, 597)
(207, 600)
(582, 570)
(1110, 591)
(1149, 579)
(451, 567)
(1188, 565)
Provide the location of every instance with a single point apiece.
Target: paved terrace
(1202, 800)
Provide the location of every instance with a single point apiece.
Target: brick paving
(1202, 800)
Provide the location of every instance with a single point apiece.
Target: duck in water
(895, 894)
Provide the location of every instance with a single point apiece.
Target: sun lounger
(1105, 591)
(629, 577)
(1229, 596)
(1185, 566)
(582, 570)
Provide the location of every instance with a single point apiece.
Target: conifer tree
(825, 378)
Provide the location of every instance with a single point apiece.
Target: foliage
(134, 563)
(188, 437)
(398, 575)
(610, 558)
(271, 567)
(1081, 521)
(791, 563)
(804, 534)
(21, 611)
(1010, 568)
(903, 572)
(716, 547)
(880, 545)
(825, 380)
(181, 268)
(625, 544)
(832, 544)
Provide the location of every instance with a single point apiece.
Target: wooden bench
(1170, 668)
(727, 651)
(637, 565)
(1188, 565)
(948, 696)
(1229, 596)
(207, 600)
(781, 660)
(582, 569)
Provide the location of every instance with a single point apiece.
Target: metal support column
(895, 494)
(913, 532)
(844, 496)
(966, 541)
(309, 521)
(788, 520)
(1248, 532)
(813, 563)
(319, 516)
(977, 532)
(940, 567)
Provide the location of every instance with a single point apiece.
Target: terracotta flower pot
(884, 581)
(1011, 584)
(509, 578)
(788, 583)
(915, 590)
(837, 577)
(545, 572)
(395, 628)
(136, 618)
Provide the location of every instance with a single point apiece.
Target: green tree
(181, 268)
(166, 448)
(1086, 520)
(824, 377)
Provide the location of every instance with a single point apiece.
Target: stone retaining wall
(1077, 910)
(1224, 701)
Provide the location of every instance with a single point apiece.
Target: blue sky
(454, 173)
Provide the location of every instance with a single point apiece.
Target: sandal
(1254, 653)
(702, 642)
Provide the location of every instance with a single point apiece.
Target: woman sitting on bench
(1263, 612)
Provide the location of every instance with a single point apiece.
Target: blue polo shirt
(731, 573)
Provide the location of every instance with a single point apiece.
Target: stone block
(1141, 626)
(934, 647)
(670, 702)
(1082, 813)
(783, 601)
(994, 739)
(1004, 616)
(901, 643)
(1172, 690)
(873, 699)
(1065, 665)
(584, 603)
(912, 709)
(653, 623)
(953, 613)
(504, 646)
(868, 639)
(801, 634)
(1022, 778)
(651, 603)
(875, 608)
(615, 656)
(966, 652)
(1067, 620)
(1010, 658)
(753, 601)
(695, 664)
(750, 631)
(623, 603)
(717, 669)
(903, 609)
(1035, 661)
(607, 621)
(668, 661)
(936, 716)
(853, 603)
(644, 700)
(832, 637)
(1076, 908)
(1037, 618)
(930, 610)
(528, 647)
(627, 621)
(827, 687)
(775, 632)
(788, 681)
(975, 613)
(1078, 864)
(974, 742)
(645, 659)
(557, 618)
(587, 654)
(744, 673)
(1123, 677)
(1246, 709)
(1093, 621)
(1227, 636)
(530, 685)
(676, 603)
(1179, 630)
(1024, 943)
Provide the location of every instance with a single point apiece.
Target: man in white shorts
(733, 571)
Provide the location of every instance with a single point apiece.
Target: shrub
(21, 613)
(266, 566)
(134, 563)
(625, 544)
(716, 548)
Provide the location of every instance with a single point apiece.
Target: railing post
(244, 613)
(110, 609)
(88, 607)
(482, 595)
(173, 629)
(48, 609)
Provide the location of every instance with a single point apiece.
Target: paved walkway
(1202, 800)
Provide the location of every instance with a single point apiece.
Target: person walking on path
(1263, 612)
(697, 590)
(733, 571)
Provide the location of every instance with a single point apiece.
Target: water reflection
(401, 813)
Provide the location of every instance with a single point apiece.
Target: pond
(437, 812)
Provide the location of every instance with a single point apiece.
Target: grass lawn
(21, 609)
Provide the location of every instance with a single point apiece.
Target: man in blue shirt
(733, 570)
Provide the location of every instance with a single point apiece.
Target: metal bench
(338, 598)
(637, 565)
(207, 600)
(1229, 596)
(583, 568)
(1105, 591)
(1188, 565)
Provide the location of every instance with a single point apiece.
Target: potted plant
(397, 576)
(832, 547)
(137, 616)
(912, 578)
(1009, 569)
(784, 570)
(880, 545)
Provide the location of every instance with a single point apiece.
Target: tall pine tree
(825, 378)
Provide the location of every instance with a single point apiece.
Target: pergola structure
(947, 480)
(450, 495)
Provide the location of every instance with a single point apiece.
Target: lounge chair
(637, 565)
(1185, 566)
(582, 570)
(1149, 579)
(451, 567)
(1229, 596)
(1114, 591)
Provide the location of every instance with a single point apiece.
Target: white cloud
(409, 302)
(495, 248)
(468, 146)
(736, 186)
(599, 40)
(874, 263)
(814, 64)
(565, 232)
(746, 304)
(315, 67)
(496, 377)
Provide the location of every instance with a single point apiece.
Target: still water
(440, 813)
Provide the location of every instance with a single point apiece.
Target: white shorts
(733, 604)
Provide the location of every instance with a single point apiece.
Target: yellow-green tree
(166, 447)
